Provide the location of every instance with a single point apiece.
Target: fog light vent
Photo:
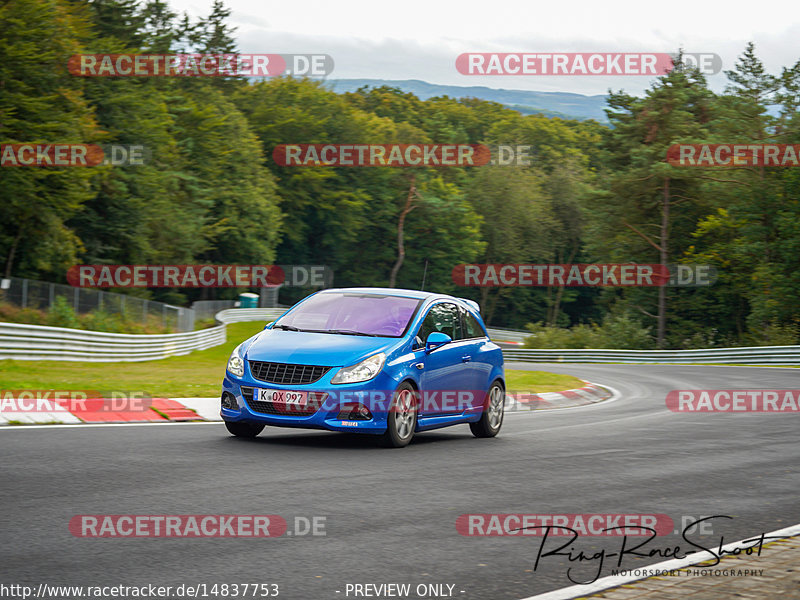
(229, 401)
(354, 412)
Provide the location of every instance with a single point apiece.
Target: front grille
(286, 374)
(315, 400)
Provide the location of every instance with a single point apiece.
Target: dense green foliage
(61, 314)
(211, 192)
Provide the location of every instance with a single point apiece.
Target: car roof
(385, 291)
(393, 292)
(399, 292)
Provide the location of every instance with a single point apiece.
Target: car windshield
(352, 314)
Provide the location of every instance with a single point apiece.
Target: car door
(474, 344)
(446, 370)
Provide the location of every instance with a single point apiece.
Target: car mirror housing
(436, 339)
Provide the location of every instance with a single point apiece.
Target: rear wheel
(244, 429)
(492, 417)
(402, 418)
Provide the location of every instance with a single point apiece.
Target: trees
(212, 192)
(648, 207)
(203, 180)
(41, 102)
(334, 213)
(752, 233)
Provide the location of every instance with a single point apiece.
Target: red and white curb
(160, 410)
(527, 401)
(206, 408)
(165, 410)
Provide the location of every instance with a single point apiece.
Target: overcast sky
(420, 39)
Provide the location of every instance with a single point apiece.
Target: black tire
(244, 429)
(402, 418)
(492, 417)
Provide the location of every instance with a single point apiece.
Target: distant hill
(551, 104)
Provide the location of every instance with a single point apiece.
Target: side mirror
(435, 340)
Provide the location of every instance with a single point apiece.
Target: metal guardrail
(36, 342)
(237, 315)
(753, 355)
(207, 309)
(507, 335)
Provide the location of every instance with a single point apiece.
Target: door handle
(466, 358)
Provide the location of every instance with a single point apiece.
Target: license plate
(287, 397)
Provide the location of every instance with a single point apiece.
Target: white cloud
(420, 39)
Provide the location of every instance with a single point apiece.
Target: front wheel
(244, 429)
(492, 417)
(402, 418)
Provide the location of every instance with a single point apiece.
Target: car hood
(324, 349)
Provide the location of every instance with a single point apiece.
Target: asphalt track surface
(390, 514)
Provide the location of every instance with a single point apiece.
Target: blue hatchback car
(378, 361)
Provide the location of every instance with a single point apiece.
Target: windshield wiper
(287, 327)
(346, 332)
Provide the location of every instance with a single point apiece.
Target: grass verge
(198, 374)
(540, 381)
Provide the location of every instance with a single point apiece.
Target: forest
(210, 191)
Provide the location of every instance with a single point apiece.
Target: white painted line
(576, 591)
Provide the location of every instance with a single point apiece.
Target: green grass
(540, 381)
(198, 374)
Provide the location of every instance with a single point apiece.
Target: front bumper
(374, 394)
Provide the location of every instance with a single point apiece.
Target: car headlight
(363, 371)
(236, 362)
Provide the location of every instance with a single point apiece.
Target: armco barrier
(507, 335)
(35, 342)
(236, 315)
(755, 355)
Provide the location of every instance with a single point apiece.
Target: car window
(373, 314)
(441, 317)
(472, 329)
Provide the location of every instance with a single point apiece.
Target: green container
(248, 300)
